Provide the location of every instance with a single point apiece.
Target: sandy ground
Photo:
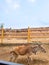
(14, 40)
(39, 59)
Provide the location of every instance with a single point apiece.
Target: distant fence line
(3, 35)
(27, 34)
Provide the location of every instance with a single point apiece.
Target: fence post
(28, 35)
(2, 34)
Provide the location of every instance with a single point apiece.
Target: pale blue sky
(24, 13)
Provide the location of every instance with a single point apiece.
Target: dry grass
(39, 59)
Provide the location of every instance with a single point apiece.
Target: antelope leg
(28, 60)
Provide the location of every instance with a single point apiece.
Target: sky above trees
(24, 13)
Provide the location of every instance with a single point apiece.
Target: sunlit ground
(39, 59)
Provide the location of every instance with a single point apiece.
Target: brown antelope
(25, 50)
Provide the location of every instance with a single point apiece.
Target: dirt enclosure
(39, 59)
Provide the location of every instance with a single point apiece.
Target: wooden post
(28, 35)
(2, 33)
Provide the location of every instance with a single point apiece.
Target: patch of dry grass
(39, 59)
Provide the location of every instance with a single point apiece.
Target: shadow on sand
(34, 62)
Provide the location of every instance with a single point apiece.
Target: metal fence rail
(27, 34)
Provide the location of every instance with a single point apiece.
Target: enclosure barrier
(2, 35)
(27, 34)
